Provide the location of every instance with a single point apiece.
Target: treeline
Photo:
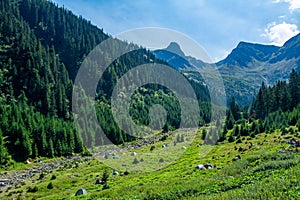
(25, 133)
(274, 107)
(284, 96)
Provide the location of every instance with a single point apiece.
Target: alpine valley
(246, 149)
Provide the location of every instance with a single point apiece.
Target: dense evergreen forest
(41, 49)
(274, 107)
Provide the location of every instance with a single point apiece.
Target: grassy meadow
(261, 173)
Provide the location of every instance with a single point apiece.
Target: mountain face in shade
(175, 48)
(290, 50)
(246, 53)
(177, 59)
(174, 56)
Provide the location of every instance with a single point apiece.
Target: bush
(135, 161)
(272, 165)
(152, 148)
(53, 177)
(105, 176)
(50, 186)
(283, 131)
(85, 152)
(164, 137)
(105, 186)
(33, 190)
(238, 141)
(204, 133)
(231, 138)
(42, 175)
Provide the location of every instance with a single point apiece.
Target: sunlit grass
(262, 173)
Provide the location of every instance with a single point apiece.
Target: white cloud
(277, 34)
(294, 4)
(223, 54)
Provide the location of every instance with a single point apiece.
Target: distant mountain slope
(252, 64)
(290, 50)
(246, 53)
(177, 59)
(245, 68)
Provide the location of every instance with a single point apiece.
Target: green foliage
(105, 177)
(50, 186)
(4, 156)
(42, 47)
(135, 161)
(35, 88)
(53, 177)
(152, 148)
(32, 189)
(273, 108)
(234, 109)
(42, 175)
(105, 186)
(204, 133)
(231, 138)
(283, 96)
(164, 137)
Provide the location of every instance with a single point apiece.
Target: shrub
(135, 161)
(271, 165)
(152, 148)
(105, 176)
(164, 137)
(34, 189)
(50, 186)
(283, 131)
(231, 138)
(105, 186)
(42, 175)
(238, 141)
(53, 177)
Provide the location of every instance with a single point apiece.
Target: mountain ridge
(245, 68)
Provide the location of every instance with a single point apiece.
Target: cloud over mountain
(278, 34)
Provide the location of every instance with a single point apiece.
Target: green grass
(262, 173)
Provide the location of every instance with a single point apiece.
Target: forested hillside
(41, 49)
(274, 107)
(35, 87)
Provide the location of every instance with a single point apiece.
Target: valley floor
(261, 173)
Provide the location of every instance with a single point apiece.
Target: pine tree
(231, 138)
(4, 156)
(234, 109)
(294, 89)
(51, 149)
(204, 133)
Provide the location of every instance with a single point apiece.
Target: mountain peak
(246, 53)
(175, 48)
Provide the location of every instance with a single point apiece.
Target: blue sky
(217, 25)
